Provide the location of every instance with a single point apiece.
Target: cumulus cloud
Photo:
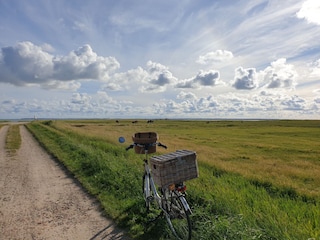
(245, 78)
(185, 84)
(216, 56)
(27, 63)
(83, 63)
(203, 78)
(112, 86)
(103, 98)
(186, 95)
(187, 103)
(78, 98)
(158, 78)
(208, 78)
(264, 104)
(81, 104)
(293, 103)
(280, 75)
(310, 11)
(155, 77)
(127, 80)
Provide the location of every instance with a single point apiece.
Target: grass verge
(13, 139)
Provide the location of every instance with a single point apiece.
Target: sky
(227, 59)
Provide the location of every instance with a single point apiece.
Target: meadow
(258, 179)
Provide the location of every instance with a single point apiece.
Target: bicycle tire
(178, 218)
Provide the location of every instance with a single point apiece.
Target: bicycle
(170, 200)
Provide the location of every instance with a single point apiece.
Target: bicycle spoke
(178, 218)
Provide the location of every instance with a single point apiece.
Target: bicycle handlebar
(162, 145)
(131, 146)
(147, 144)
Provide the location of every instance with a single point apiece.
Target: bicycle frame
(150, 183)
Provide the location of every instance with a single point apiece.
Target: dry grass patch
(13, 139)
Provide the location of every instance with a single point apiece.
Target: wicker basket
(145, 138)
(174, 167)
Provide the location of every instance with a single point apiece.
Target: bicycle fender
(185, 204)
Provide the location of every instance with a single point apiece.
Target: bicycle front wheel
(177, 216)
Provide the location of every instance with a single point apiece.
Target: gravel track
(39, 200)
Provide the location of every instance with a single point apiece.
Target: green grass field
(258, 179)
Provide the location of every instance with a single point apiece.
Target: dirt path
(38, 200)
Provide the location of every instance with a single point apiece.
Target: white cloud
(263, 104)
(245, 78)
(127, 80)
(112, 86)
(293, 103)
(317, 91)
(158, 78)
(267, 103)
(61, 85)
(47, 48)
(315, 69)
(83, 64)
(104, 97)
(27, 63)
(78, 98)
(209, 78)
(280, 75)
(186, 95)
(216, 56)
(310, 11)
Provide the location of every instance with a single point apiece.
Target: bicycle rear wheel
(177, 216)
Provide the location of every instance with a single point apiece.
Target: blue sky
(160, 59)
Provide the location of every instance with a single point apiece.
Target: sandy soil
(38, 200)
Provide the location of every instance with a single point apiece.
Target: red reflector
(182, 188)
